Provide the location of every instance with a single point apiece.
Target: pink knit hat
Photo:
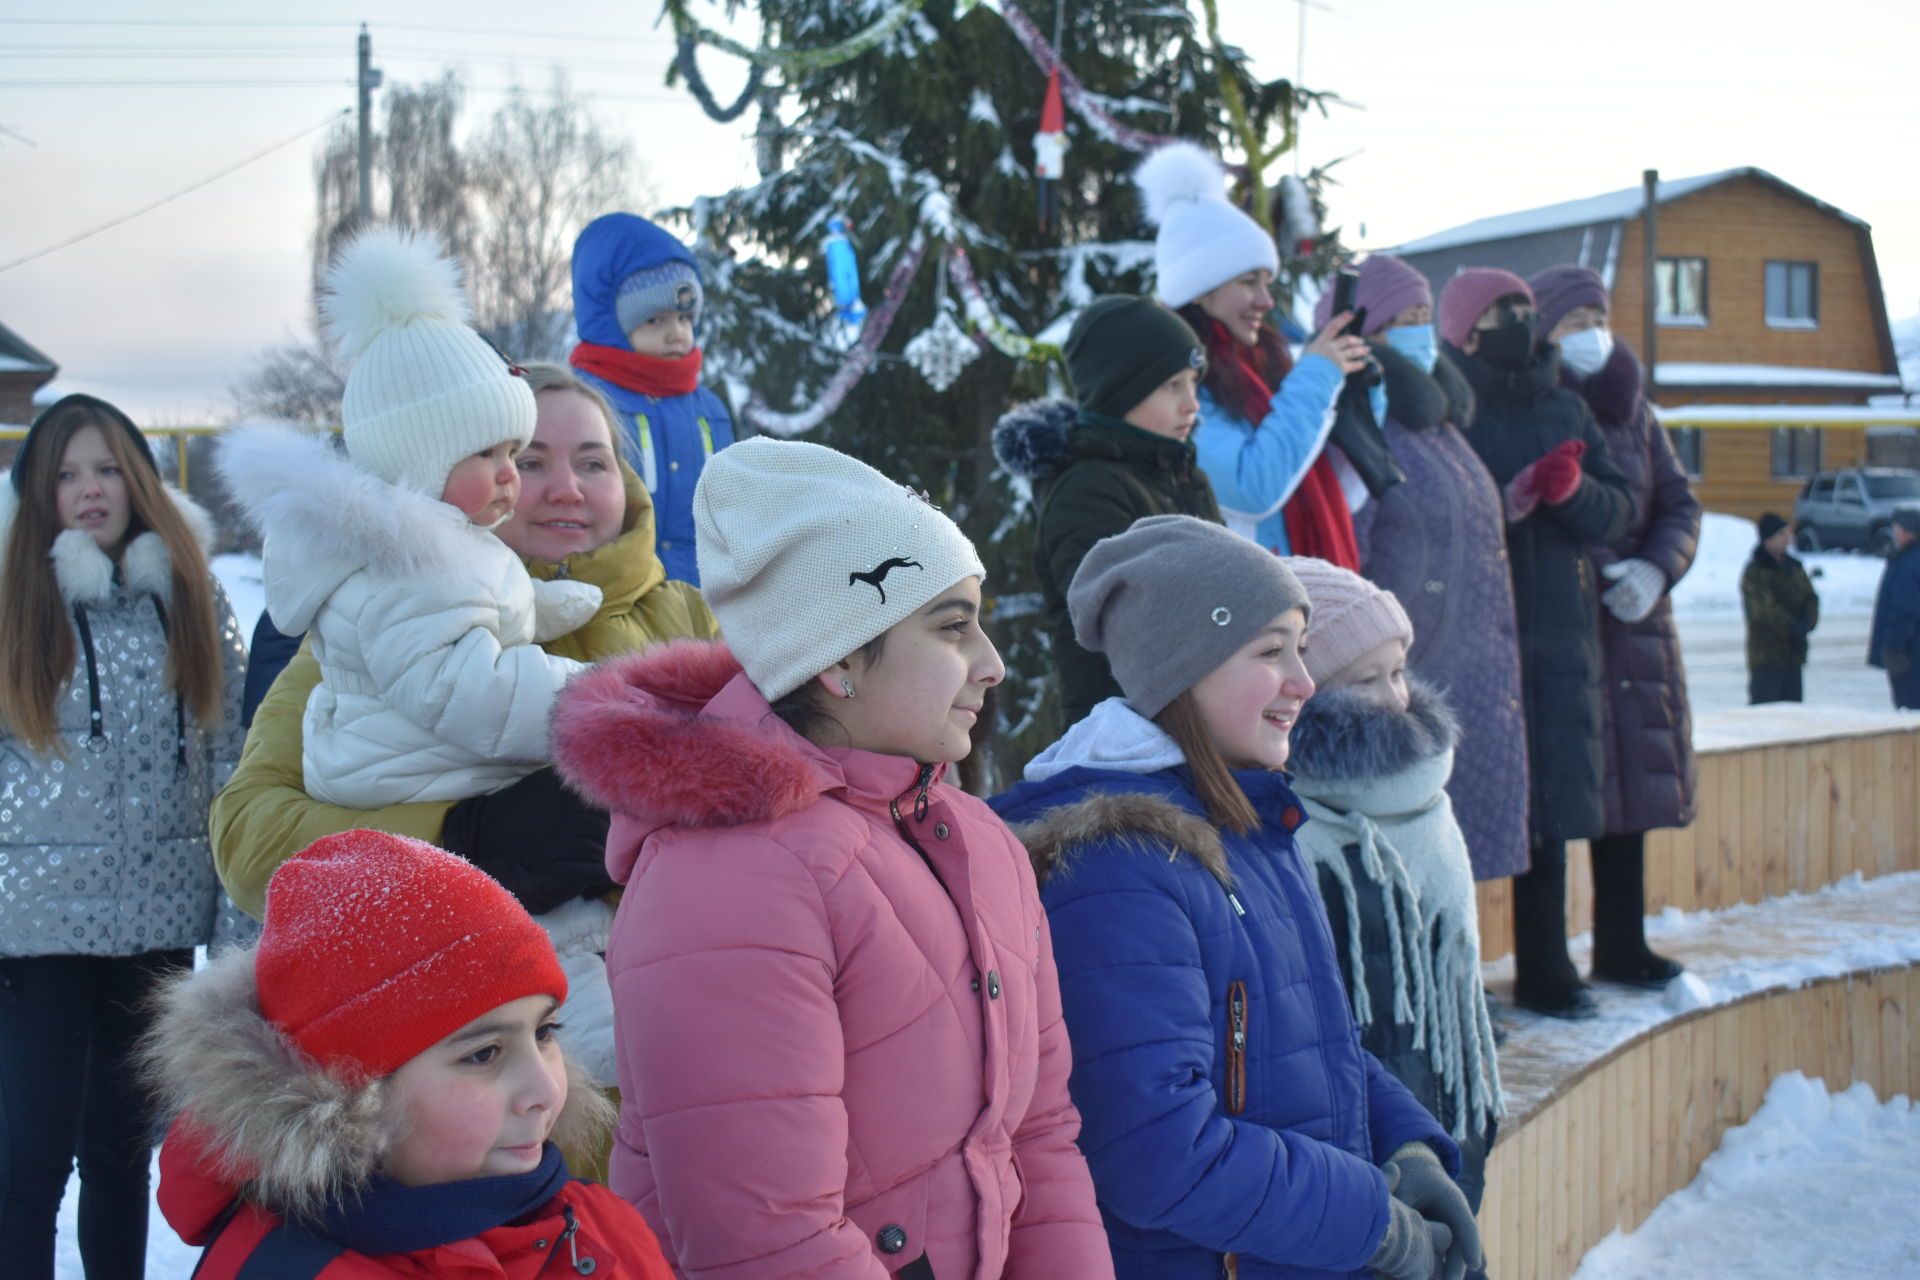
(1387, 286)
(1349, 616)
(1469, 294)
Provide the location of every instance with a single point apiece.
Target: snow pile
(1816, 1184)
(1846, 582)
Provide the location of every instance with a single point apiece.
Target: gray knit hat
(1171, 599)
(669, 286)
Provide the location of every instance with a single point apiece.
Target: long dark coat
(1438, 541)
(1521, 417)
(1091, 479)
(1650, 774)
(1782, 608)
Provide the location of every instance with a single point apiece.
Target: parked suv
(1853, 507)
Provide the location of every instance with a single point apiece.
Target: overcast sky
(1460, 110)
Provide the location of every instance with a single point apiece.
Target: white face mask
(1587, 352)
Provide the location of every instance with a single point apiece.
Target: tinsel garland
(1007, 340)
(1076, 94)
(696, 83)
(685, 26)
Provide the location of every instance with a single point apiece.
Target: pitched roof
(17, 355)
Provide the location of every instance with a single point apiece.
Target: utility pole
(1650, 275)
(368, 80)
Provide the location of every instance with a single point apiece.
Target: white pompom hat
(1203, 241)
(425, 390)
(807, 554)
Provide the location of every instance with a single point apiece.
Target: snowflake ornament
(941, 351)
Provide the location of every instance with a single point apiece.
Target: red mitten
(1558, 474)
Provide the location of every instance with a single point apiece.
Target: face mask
(1587, 351)
(1415, 342)
(1510, 346)
(1377, 401)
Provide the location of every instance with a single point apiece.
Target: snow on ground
(1816, 1184)
(240, 575)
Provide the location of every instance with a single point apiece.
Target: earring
(846, 688)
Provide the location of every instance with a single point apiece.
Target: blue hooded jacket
(670, 438)
(1227, 1106)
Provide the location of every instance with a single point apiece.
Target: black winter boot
(1620, 951)
(1545, 980)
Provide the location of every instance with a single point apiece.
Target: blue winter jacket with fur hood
(1226, 1103)
(667, 438)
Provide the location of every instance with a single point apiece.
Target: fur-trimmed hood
(1132, 817)
(86, 573)
(1030, 440)
(1341, 735)
(323, 519)
(268, 1119)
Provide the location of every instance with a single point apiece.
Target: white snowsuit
(424, 626)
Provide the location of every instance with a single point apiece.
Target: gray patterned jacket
(105, 852)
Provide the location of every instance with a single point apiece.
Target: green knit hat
(1121, 348)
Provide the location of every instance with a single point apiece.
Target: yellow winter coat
(264, 816)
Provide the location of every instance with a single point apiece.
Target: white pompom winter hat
(806, 554)
(1204, 241)
(425, 390)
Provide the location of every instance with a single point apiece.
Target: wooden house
(24, 369)
(1771, 333)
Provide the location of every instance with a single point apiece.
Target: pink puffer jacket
(839, 1032)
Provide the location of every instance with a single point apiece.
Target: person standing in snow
(1782, 609)
(1371, 753)
(1894, 642)
(1650, 777)
(841, 1052)
(1562, 494)
(120, 688)
(1123, 451)
(1438, 542)
(636, 303)
(1234, 1123)
(1263, 420)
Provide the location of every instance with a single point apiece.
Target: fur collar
(267, 1116)
(86, 573)
(1615, 394)
(634, 735)
(1340, 735)
(1421, 401)
(1134, 818)
(1030, 440)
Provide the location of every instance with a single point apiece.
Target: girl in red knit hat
(375, 1088)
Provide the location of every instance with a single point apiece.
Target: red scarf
(1318, 521)
(649, 375)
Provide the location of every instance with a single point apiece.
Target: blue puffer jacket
(1227, 1106)
(669, 438)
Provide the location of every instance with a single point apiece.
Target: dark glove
(1417, 1179)
(545, 844)
(1412, 1247)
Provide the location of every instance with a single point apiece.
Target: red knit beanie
(376, 947)
(1467, 296)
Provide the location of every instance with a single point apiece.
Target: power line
(187, 190)
(590, 37)
(128, 83)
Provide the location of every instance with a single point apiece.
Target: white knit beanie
(1350, 616)
(1204, 241)
(425, 390)
(806, 554)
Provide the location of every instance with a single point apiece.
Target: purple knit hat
(1468, 295)
(1558, 290)
(1387, 286)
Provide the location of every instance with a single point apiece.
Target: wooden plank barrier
(1634, 1127)
(1791, 798)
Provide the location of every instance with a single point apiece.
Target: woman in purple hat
(1650, 776)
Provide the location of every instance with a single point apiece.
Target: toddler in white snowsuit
(423, 622)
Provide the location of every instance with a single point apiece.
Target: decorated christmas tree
(943, 184)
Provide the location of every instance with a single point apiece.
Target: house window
(1796, 452)
(1688, 448)
(1793, 295)
(1680, 291)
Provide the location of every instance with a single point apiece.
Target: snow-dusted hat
(806, 554)
(1204, 241)
(377, 946)
(1350, 616)
(425, 390)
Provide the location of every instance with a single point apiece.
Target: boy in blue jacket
(636, 304)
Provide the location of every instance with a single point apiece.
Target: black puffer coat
(1091, 480)
(1650, 777)
(1438, 541)
(1521, 417)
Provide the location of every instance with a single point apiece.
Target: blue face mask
(1376, 399)
(1415, 342)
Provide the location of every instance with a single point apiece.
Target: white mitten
(561, 606)
(1638, 586)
